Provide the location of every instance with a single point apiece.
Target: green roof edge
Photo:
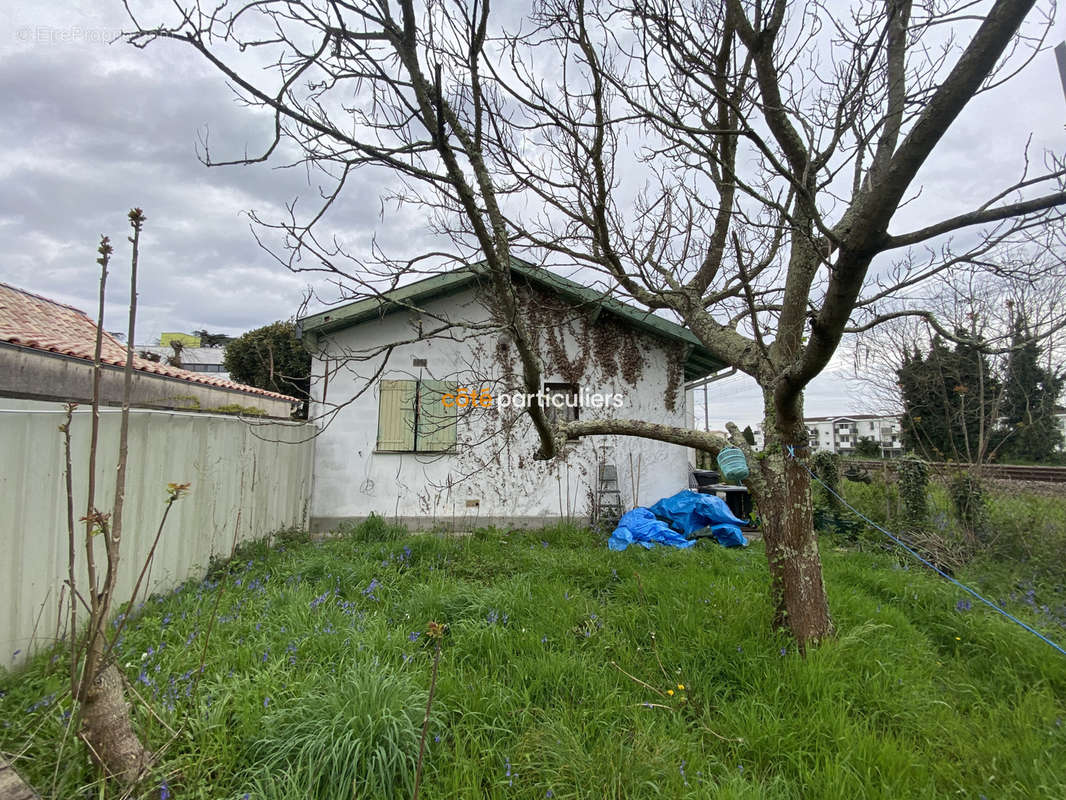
(699, 361)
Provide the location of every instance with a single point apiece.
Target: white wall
(491, 467)
(260, 470)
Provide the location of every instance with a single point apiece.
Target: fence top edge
(254, 420)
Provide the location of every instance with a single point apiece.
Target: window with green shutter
(435, 431)
(396, 415)
(412, 417)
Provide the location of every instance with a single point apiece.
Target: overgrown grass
(315, 679)
(1019, 561)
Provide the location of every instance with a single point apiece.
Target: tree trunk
(106, 726)
(796, 586)
(797, 589)
(12, 787)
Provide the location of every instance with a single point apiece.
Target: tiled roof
(29, 320)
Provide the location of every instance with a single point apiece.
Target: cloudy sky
(91, 129)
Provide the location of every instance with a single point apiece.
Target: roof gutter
(703, 383)
(714, 376)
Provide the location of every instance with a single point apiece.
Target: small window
(412, 417)
(562, 404)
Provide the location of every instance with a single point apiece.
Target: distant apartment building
(841, 434)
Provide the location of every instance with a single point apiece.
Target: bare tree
(978, 314)
(736, 164)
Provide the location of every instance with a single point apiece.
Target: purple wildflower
(369, 590)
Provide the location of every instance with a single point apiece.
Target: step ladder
(608, 507)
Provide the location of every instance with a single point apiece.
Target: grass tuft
(374, 529)
(350, 735)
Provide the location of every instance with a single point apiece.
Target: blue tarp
(673, 519)
(640, 526)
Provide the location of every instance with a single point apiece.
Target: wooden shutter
(436, 422)
(396, 415)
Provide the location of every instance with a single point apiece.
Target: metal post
(706, 412)
(1060, 56)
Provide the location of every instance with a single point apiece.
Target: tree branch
(972, 218)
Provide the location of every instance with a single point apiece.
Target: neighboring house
(414, 393)
(190, 358)
(841, 434)
(46, 353)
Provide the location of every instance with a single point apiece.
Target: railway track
(1004, 471)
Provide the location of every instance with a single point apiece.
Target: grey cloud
(92, 133)
(90, 130)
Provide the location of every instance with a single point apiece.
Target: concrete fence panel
(247, 478)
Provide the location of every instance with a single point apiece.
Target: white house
(840, 434)
(417, 393)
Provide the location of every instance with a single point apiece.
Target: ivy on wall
(492, 460)
(675, 369)
(605, 343)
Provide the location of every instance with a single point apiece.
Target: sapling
(96, 683)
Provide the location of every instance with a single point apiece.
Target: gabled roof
(29, 320)
(698, 363)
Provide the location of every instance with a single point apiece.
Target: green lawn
(318, 665)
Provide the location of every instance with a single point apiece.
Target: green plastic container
(733, 465)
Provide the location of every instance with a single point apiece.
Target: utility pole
(1060, 56)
